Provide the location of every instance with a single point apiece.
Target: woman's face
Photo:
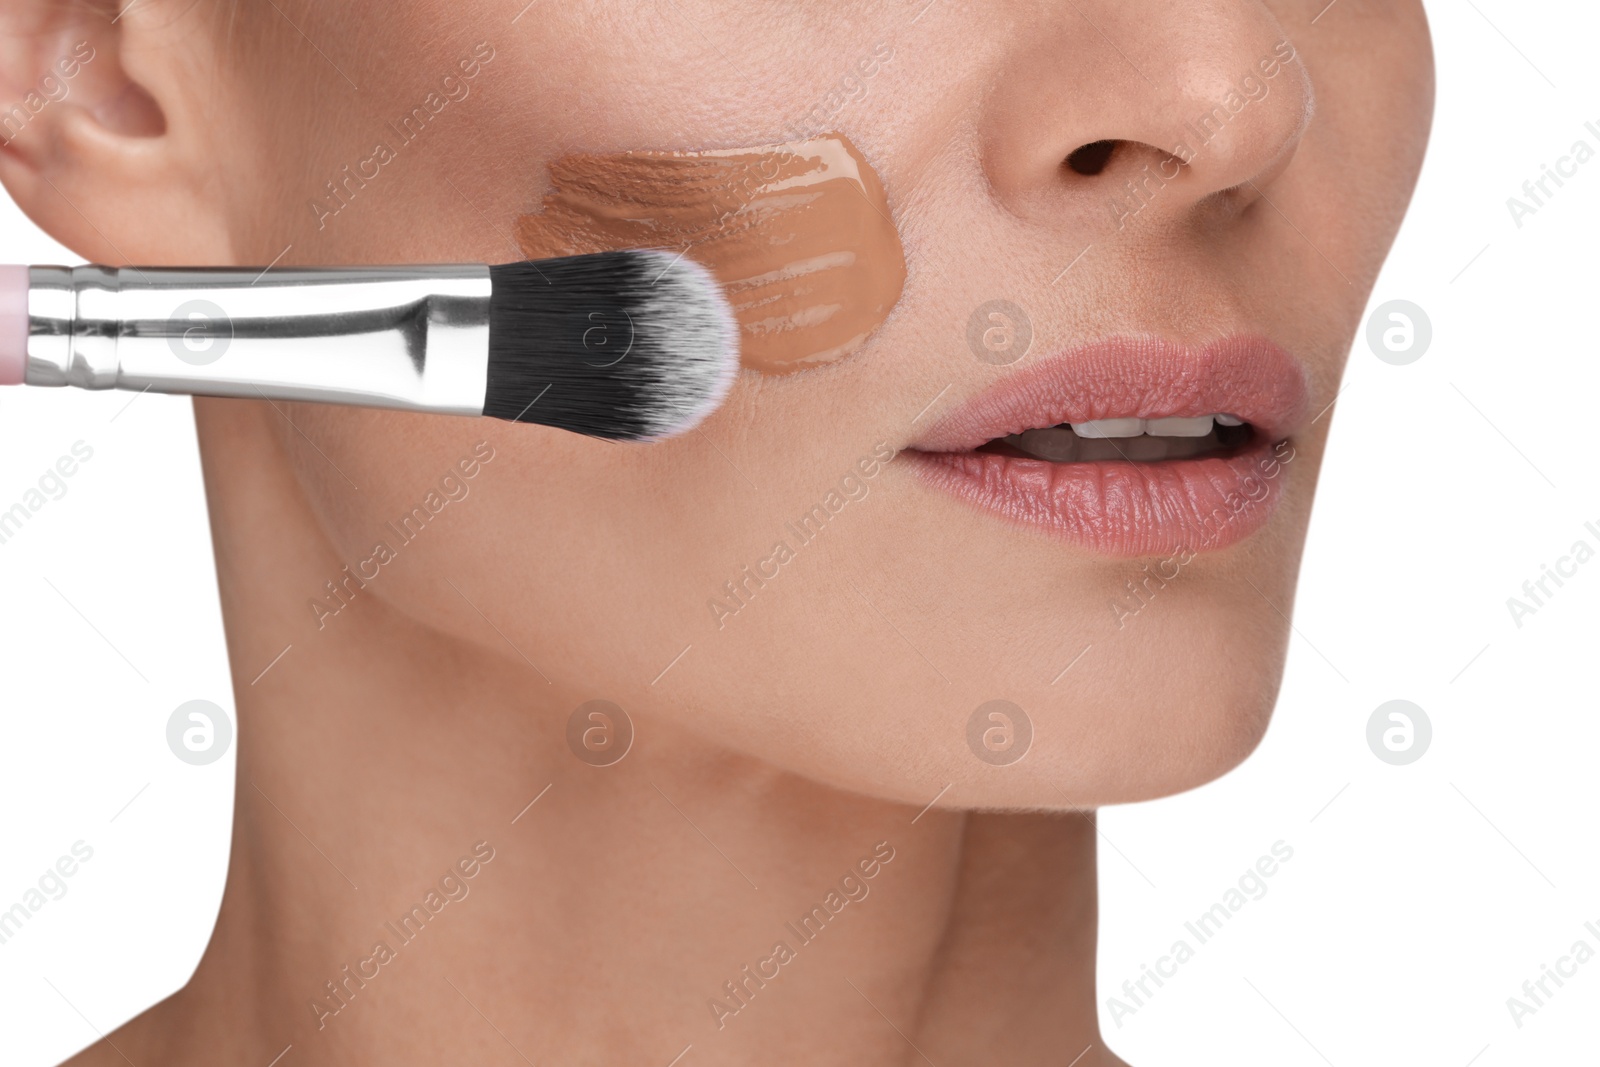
(1217, 261)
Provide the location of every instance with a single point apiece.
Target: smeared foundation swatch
(799, 234)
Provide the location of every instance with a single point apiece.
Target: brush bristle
(631, 346)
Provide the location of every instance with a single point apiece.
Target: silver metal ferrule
(414, 338)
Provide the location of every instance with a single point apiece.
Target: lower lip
(1122, 508)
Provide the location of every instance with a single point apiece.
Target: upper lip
(1243, 375)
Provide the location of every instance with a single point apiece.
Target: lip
(1123, 508)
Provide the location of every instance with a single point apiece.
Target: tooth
(1178, 427)
(1228, 420)
(1109, 428)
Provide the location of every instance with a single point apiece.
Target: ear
(103, 127)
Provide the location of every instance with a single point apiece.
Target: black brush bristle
(630, 346)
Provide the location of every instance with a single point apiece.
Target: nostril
(1091, 158)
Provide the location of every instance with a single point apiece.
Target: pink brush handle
(13, 324)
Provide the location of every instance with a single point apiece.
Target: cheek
(1375, 94)
(361, 468)
(590, 558)
(375, 478)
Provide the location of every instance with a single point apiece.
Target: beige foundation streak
(799, 235)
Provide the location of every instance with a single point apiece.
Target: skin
(831, 710)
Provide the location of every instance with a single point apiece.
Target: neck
(420, 863)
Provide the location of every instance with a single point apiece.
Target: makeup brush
(631, 346)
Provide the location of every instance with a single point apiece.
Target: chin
(1162, 712)
(1194, 700)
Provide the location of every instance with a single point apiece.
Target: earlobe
(91, 150)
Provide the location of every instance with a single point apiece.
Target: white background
(1419, 897)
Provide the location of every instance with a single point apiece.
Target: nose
(1148, 112)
